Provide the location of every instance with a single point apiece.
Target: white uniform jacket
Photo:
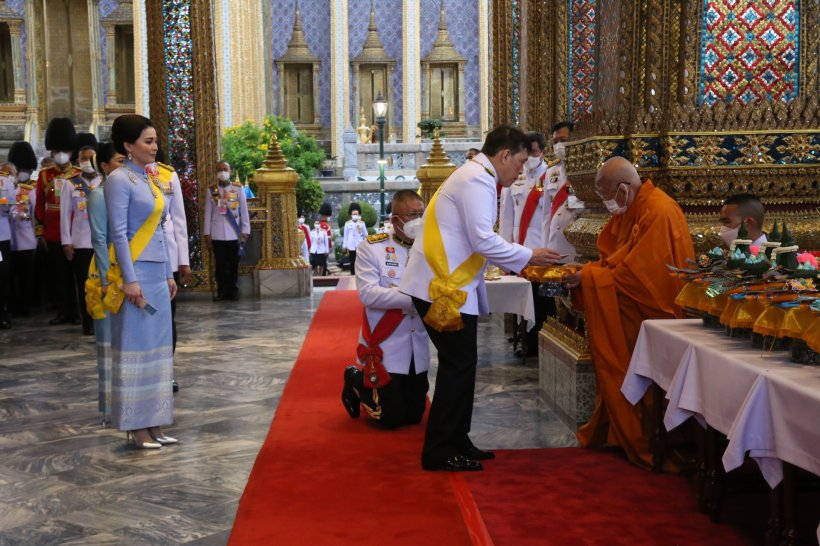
(319, 242)
(355, 233)
(7, 200)
(466, 213)
(176, 226)
(513, 200)
(553, 226)
(221, 202)
(75, 229)
(380, 267)
(23, 232)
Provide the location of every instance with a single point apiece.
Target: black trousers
(62, 281)
(22, 284)
(5, 278)
(226, 256)
(352, 254)
(544, 307)
(451, 412)
(80, 263)
(402, 401)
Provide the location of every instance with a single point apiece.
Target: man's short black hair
(476, 151)
(561, 124)
(539, 138)
(505, 137)
(748, 206)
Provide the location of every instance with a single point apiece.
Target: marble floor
(64, 479)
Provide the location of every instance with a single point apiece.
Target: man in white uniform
(445, 277)
(7, 196)
(560, 204)
(393, 349)
(23, 235)
(227, 227)
(354, 233)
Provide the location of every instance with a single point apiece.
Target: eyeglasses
(409, 216)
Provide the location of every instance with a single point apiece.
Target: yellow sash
(445, 289)
(95, 303)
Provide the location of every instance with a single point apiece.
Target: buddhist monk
(627, 285)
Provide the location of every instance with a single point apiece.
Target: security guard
(227, 227)
(560, 204)
(23, 235)
(393, 348)
(61, 141)
(75, 230)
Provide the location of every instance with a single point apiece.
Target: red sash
(370, 352)
(560, 198)
(529, 208)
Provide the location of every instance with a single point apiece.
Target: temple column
(97, 92)
(425, 91)
(411, 59)
(484, 65)
(462, 115)
(32, 130)
(390, 116)
(317, 117)
(141, 93)
(111, 61)
(248, 55)
(17, 61)
(339, 79)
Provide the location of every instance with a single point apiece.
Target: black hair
(106, 153)
(505, 137)
(561, 124)
(354, 206)
(128, 128)
(160, 157)
(539, 138)
(748, 206)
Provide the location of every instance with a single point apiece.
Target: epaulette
(25, 186)
(4, 173)
(553, 161)
(164, 166)
(214, 190)
(71, 172)
(237, 183)
(377, 238)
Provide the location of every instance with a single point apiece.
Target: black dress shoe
(219, 297)
(175, 385)
(59, 319)
(4, 324)
(476, 454)
(76, 321)
(456, 463)
(350, 400)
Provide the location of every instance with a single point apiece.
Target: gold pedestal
(433, 173)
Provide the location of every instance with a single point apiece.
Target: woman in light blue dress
(141, 342)
(106, 160)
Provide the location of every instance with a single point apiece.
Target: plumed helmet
(22, 156)
(60, 135)
(86, 140)
(325, 210)
(354, 206)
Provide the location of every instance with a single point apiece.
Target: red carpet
(324, 478)
(589, 497)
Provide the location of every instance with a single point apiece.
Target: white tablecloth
(506, 295)
(512, 295)
(766, 405)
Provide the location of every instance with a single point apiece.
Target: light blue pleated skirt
(102, 334)
(142, 356)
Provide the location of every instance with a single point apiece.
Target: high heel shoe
(131, 438)
(161, 438)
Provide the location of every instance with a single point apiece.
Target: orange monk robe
(629, 284)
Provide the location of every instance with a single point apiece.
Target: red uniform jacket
(47, 205)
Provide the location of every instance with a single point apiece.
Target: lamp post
(380, 111)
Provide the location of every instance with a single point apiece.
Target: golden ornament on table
(493, 273)
(551, 278)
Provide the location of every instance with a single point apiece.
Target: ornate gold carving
(576, 344)
(501, 75)
(433, 173)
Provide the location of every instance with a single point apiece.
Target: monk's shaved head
(615, 172)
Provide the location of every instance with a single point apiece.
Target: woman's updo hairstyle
(128, 128)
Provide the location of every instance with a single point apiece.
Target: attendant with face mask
(354, 233)
(306, 232)
(75, 231)
(742, 208)
(227, 227)
(61, 141)
(8, 175)
(319, 247)
(23, 235)
(391, 384)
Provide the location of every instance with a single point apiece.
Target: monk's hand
(544, 256)
(573, 281)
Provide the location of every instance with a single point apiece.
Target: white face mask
(61, 158)
(612, 204)
(316, 227)
(532, 162)
(355, 217)
(223, 176)
(727, 234)
(87, 167)
(23, 176)
(301, 220)
(560, 150)
(413, 228)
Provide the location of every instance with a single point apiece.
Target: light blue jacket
(98, 220)
(129, 200)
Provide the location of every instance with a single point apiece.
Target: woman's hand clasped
(172, 288)
(133, 293)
